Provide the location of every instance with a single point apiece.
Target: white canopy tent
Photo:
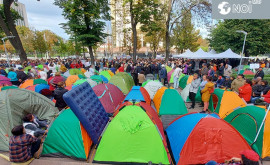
(200, 54)
(212, 51)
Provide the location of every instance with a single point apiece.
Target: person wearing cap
(237, 83)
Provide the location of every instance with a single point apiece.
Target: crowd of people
(207, 75)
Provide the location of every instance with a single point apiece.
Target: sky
(44, 14)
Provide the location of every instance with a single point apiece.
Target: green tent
(123, 81)
(40, 66)
(66, 138)
(15, 104)
(26, 69)
(90, 81)
(106, 74)
(39, 81)
(247, 121)
(96, 78)
(172, 103)
(144, 83)
(213, 105)
(183, 81)
(8, 87)
(75, 72)
(131, 137)
(168, 69)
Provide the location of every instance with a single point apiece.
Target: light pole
(3, 39)
(242, 31)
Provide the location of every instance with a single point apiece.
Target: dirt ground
(68, 161)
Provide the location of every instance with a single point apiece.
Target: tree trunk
(91, 55)
(134, 31)
(167, 36)
(16, 42)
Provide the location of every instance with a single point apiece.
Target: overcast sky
(44, 14)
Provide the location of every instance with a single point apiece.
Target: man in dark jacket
(58, 95)
(257, 90)
(221, 69)
(21, 75)
(259, 73)
(163, 74)
(3, 72)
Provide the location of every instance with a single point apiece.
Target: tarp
(15, 104)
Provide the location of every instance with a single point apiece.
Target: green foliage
(184, 35)
(86, 19)
(224, 36)
(39, 42)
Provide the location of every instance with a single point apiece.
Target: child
(58, 95)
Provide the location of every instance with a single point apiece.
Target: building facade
(20, 8)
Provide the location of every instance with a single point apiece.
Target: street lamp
(242, 31)
(3, 39)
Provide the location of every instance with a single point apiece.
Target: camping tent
(15, 104)
(170, 76)
(106, 74)
(4, 81)
(109, 95)
(104, 79)
(185, 94)
(198, 138)
(71, 80)
(247, 121)
(38, 88)
(169, 102)
(133, 137)
(185, 80)
(90, 81)
(31, 82)
(123, 81)
(67, 137)
(138, 93)
(224, 102)
(97, 79)
(150, 77)
(152, 87)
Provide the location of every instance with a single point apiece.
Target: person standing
(227, 70)
(259, 73)
(176, 74)
(237, 83)
(206, 93)
(163, 74)
(221, 69)
(141, 78)
(195, 84)
(204, 70)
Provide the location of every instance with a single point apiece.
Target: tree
(184, 35)
(176, 9)
(26, 36)
(39, 43)
(224, 36)
(143, 12)
(7, 24)
(86, 20)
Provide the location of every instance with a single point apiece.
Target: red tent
(248, 72)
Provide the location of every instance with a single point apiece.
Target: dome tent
(197, 138)
(247, 120)
(185, 94)
(67, 137)
(138, 93)
(152, 87)
(127, 139)
(15, 104)
(123, 81)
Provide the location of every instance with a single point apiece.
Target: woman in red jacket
(245, 91)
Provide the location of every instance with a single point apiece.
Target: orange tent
(158, 97)
(190, 79)
(72, 79)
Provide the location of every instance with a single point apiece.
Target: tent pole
(261, 124)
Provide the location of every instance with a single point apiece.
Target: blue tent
(113, 70)
(40, 87)
(104, 79)
(178, 137)
(135, 94)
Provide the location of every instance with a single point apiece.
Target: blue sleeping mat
(135, 94)
(89, 110)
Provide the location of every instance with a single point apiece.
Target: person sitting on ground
(22, 146)
(30, 74)
(245, 91)
(56, 79)
(21, 75)
(13, 77)
(257, 90)
(33, 126)
(227, 83)
(206, 93)
(237, 83)
(58, 95)
(220, 82)
(215, 78)
(3, 72)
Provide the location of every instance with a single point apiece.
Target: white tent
(228, 54)
(159, 57)
(187, 54)
(212, 51)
